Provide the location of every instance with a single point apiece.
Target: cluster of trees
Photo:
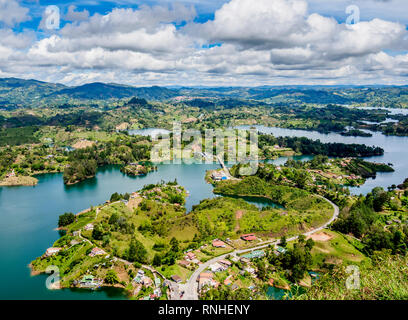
(404, 185)
(255, 186)
(84, 162)
(80, 170)
(363, 213)
(316, 147)
(18, 136)
(367, 169)
(364, 221)
(396, 129)
(7, 158)
(136, 252)
(120, 223)
(168, 258)
(298, 177)
(117, 196)
(66, 219)
(394, 239)
(297, 260)
(111, 277)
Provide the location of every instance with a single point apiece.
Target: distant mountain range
(19, 93)
(102, 91)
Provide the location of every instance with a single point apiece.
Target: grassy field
(303, 211)
(337, 250)
(385, 279)
(183, 273)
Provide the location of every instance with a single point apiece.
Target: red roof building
(190, 256)
(219, 244)
(248, 237)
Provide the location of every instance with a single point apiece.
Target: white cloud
(73, 15)
(14, 40)
(11, 13)
(271, 42)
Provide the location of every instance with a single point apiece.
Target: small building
(96, 252)
(250, 270)
(176, 278)
(219, 244)
(190, 256)
(157, 292)
(244, 260)
(226, 262)
(51, 251)
(254, 254)
(138, 279)
(280, 249)
(217, 267)
(157, 282)
(228, 281)
(248, 237)
(147, 282)
(87, 279)
(184, 263)
(234, 258)
(205, 279)
(218, 176)
(89, 226)
(11, 174)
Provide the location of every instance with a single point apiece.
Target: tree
(115, 197)
(156, 260)
(136, 252)
(261, 272)
(298, 260)
(111, 277)
(174, 245)
(309, 244)
(97, 232)
(283, 242)
(114, 218)
(380, 197)
(66, 219)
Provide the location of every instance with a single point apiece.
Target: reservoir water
(28, 215)
(395, 152)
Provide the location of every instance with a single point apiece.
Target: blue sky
(208, 42)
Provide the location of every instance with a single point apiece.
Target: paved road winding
(191, 286)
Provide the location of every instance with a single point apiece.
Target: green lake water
(28, 215)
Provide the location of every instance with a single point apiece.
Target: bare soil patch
(320, 236)
(238, 215)
(82, 144)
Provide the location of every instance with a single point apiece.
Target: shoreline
(26, 181)
(126, 293)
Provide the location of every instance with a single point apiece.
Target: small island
(138, 169)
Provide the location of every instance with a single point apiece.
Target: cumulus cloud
(11, 13)
(244, 44)
(12, 40)
(128, 20)
(73, 15)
